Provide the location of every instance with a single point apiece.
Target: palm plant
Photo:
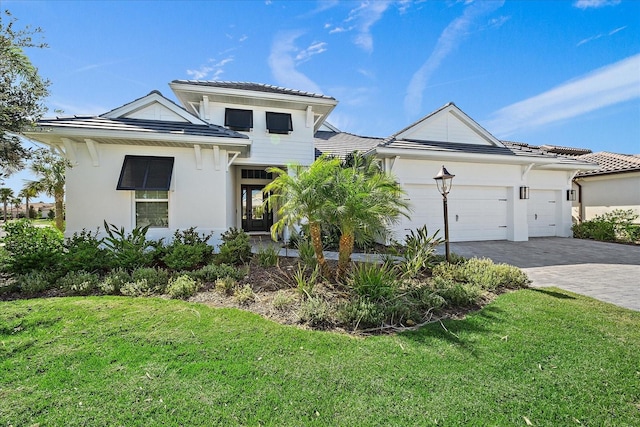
(27, 193)
(5, 195)
(301, 193)
(362, 204)
(16, 201)
(50, 169)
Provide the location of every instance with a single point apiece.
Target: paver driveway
(607, 271)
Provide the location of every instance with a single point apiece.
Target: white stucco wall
(198, 197)
(602, 194)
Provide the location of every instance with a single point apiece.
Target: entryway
(256, 214)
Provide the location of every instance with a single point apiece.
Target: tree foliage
(50, 170)
(22, 91)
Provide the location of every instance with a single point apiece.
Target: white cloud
(365, 16)
(314, 49)
(243, 38)
(449, 40)
(595, 4)
(283, 63)
(596, 37)
(211, 66)
(613, 84)
(338, 30)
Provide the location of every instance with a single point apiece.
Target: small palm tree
(50, 170)
(363, 202)
(27, 193)
(5, 195)
(301, 193)
(16, 201)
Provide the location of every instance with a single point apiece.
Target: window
(152, 209)
(145, 173)
(256, 174)
(279, 123)
(236, 119)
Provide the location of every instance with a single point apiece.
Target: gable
(156, 107)
(155, 111)
(449, 124)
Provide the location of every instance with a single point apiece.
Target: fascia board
(484, 158)
(241, 93)
(144, 136)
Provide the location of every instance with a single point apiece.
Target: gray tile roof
(610, 163)
(452, 147)
(257, 87)
(157, 92)
(340, 144)
(138, 125)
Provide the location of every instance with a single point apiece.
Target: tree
(50, 169)
(300, 193)
(16, 201)
(5, 195)
(363, 202)
(27, 193)
(22, 91)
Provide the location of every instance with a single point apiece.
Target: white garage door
(475, 213)
(541, 213)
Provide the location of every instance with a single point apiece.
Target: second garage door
(475, 213)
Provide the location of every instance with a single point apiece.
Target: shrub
(268, 256)
(244, 295)
(235, 248)
(35, 282)
(137, 288)
(212, 272)
(483, 273)
(156, 278)
(83, 251)
(373, 281)
(187, 250)
(128, 250)
(417, 253)
(225, 285)
(304, 280)
(31, 248)
(456, 294)
(315, 311)
(617, 225)
(306, 253)
(282, 300)
(361, 313)
(182, 287)
(114, 281)
(79, 282)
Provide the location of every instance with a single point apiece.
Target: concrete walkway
(609, 272)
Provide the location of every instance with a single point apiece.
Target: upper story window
(145, 173)
(240, 120)
(279, 123)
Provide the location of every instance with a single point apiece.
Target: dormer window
(239, 120)
(279, 123)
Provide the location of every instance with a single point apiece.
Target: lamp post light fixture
(444, 181)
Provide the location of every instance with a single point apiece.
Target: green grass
(556, 358)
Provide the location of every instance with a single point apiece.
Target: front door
(256, 215)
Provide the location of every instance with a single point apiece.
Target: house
(203, 163)
(614, 185)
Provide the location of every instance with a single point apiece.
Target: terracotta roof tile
(611, 163)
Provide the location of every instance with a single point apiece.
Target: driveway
(606, 271)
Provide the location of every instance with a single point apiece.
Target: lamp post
(444, 180)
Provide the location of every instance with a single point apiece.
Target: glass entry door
(256, 215)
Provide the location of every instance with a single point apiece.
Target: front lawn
(543, 357)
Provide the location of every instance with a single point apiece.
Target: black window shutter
(146, 173)
(237, 119)
(279, 123)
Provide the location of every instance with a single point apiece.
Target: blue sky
(542, 72)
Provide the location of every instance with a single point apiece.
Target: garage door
(475, 213)
(541, 213)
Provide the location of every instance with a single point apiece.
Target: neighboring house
(614, 185)
(153, 162)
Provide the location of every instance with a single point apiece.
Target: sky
(542, 72)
